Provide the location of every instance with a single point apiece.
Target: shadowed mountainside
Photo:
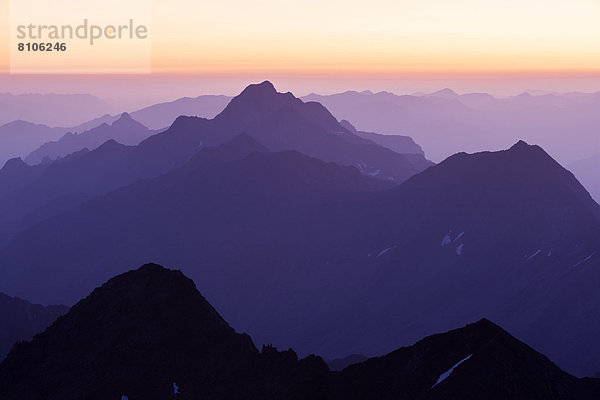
(149, 334)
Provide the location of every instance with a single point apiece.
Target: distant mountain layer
(51, 109)
(124, 130)
(20, 320)
(280, 122)
(19, 138)
(477, 235)
(149, 334)
(404, 145)
(162, 115)
(445, 123)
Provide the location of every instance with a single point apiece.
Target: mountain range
(124, 130)
(333, 236)
(299, 231)
(445, 122)
(280, 121)
(149, 334)
(18, 137)
(51, 109)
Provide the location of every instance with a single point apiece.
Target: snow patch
(534, 254)
(175, 388)
(590, 256)
(124, 397)
(447, 373)
(459, 236)
(382, 252)
(374, 173)
(446, 239)
(459, 249)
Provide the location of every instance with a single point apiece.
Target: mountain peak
(149, 314)
(127, 122)
(522, 147)
(259, 89)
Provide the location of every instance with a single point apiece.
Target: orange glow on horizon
(384, 38)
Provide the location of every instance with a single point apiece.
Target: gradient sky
(373, 42)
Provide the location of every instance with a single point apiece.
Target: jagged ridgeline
(149, 334)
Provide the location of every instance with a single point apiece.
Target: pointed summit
(259, 89)
(126, 122)
(140, 332)
(256, 103)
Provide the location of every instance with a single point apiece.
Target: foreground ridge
(149, 334)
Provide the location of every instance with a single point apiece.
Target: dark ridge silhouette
(149, 334)
(124, 130)
(479, 361)
(20, 320)
(142, 334)
(340, 363)
(510, 235)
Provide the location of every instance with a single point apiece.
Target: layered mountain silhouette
(51, 109)
(279, 121)
(19, 138)
(510, 235)
(124, 130)
(149, 334)
(445, 123)
(20, 320)
(404, 145)
(162, 115)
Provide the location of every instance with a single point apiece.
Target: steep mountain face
(149, 334)
(20, 320)
(479, 361)
(510, 235)
(124, 130)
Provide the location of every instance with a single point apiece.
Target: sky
(501, 46)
